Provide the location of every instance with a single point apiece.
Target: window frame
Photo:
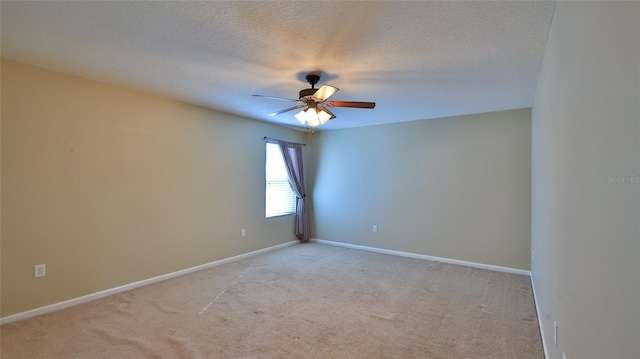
(291, 196)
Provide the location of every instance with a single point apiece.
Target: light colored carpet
(304, 301)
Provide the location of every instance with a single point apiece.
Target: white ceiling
(416, 60)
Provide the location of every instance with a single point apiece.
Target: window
(279, 198)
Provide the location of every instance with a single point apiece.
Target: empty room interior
(458, 179)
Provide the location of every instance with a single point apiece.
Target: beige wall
(454, 187)
(586, 182)
(108, 186)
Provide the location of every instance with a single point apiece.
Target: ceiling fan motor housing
(312, 79)
(307, 92)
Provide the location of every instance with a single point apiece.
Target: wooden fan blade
(324, 92)
(276, 98)
(353, 104)
(286, 110)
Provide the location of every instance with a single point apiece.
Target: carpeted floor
(303, 301)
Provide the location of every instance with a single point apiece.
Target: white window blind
(279, 198)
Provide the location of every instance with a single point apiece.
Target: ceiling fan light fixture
(301, 117)
(313, 117)
(323, 117)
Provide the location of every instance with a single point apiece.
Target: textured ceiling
(416, 60)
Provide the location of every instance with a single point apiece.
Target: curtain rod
(275, 139)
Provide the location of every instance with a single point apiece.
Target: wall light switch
(244, 232)
(375, 229)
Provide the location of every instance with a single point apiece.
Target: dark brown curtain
(292, 154)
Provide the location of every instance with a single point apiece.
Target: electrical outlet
(375, 229)
(39, 271)
(244, 232)
(555, 334)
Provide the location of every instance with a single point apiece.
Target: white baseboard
(130, 286)
(422, 256)
(535, 300)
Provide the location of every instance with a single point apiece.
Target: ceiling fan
(315, 101)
